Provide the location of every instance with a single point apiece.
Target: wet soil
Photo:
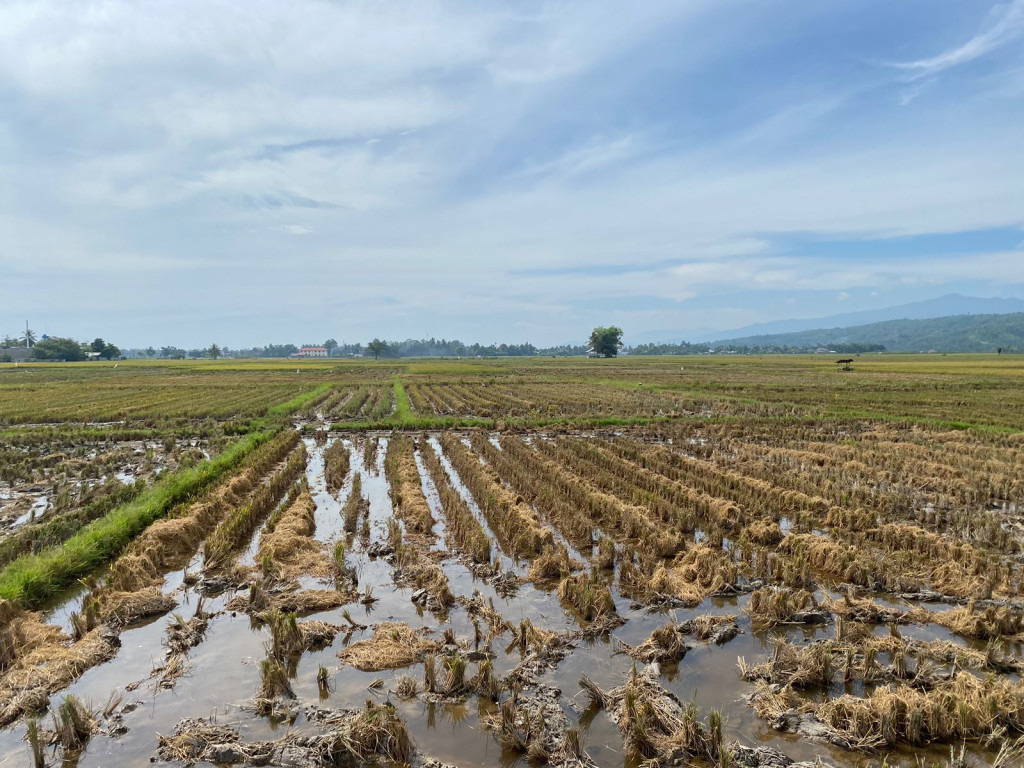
(223, 669)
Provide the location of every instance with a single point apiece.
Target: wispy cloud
(461, 168)
(1004, 23)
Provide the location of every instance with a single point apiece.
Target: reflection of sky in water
(223, 672)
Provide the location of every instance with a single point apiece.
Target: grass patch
(30, 579)
(403, 409)
(291, 406)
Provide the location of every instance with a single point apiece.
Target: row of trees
(376, 348)
(27, 339)
(60, 348)
(685, 348)
(604, 342)
(57, 348)
(441, 348)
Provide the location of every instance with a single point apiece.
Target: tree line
(376, 348)
(686, 348)
(603, 342)
(59, 348)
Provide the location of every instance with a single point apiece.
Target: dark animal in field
(845, 363)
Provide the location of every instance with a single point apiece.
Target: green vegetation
(834, 505)
(58, 349)
(149, 394)
(32, 578)
(606, 342)
(209, 397)
(959, 333)
(31, 538)
(403, 410)
(377, 348)
(299, 401)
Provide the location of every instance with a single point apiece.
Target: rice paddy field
(710, 561)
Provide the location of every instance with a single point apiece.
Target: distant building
(15, 354)
(311, 352)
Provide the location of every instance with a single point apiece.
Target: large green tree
(57, 348)
(214, 351)
(606, 342)
(105, 349)
(330, 345)
(377, 348)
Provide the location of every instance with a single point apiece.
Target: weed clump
(587, 595)
(274, 680)
(964, 707)
(552, 563)
(74, 724)
(654, 724)
(695, 574)
(665, 644)
(393, 645)
(337, 460)
(769, 607)
(355, 506)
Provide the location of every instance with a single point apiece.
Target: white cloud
(1005, 23)
(435, 158)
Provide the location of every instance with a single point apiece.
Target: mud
(506, 657)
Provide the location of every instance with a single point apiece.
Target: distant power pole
(28, 340)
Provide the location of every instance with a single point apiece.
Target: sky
(195, 171)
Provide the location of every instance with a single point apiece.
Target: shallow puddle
(222, 674)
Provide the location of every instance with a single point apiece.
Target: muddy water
(34, 500)
(223, 673)
(503, 560)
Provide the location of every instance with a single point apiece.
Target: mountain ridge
(943, 306)
(953, 333)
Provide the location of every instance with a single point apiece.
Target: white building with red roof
(311, 352)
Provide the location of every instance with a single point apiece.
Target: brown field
(707, 561)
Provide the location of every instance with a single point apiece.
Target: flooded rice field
(482, 599)
(42, 480)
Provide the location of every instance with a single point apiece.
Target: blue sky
(189, 172)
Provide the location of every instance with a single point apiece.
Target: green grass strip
(403, 409)
(31, 579)
(289, 407)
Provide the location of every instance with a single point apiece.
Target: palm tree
(214, 351)
(29, 338)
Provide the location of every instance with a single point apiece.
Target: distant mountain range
(958, 333)
(944, 306)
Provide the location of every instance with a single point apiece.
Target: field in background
(534, 558)
(968, 390)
